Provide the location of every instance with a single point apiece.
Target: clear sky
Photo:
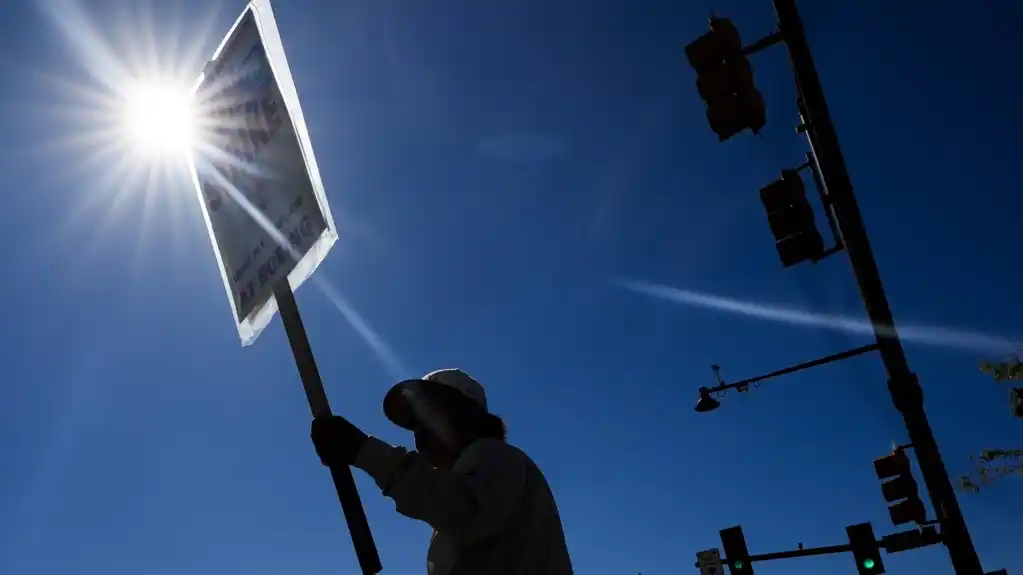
(491, 165)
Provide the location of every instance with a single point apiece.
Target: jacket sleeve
(469, 503)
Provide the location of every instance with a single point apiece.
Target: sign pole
(265, 208)
(344, 482)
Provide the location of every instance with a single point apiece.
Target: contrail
(395, 369)
(927, 335)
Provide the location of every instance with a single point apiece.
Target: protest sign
(267, 215)
(255, 172)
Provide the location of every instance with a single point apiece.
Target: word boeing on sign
(255, 173)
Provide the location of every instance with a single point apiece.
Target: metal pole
(801, 553)
(344, 482)
(903, 385)
(805, 365)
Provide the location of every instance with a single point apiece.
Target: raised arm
(470, 502)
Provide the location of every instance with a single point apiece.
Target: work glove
(337, 440)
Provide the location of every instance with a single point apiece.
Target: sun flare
(159, 118)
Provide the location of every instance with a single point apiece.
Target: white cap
(396, 406)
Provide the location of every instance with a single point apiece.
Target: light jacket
(492, 513)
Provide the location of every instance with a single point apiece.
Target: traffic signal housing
(733, 543)
(791, 218)
(899, 487)
(865, 549)
(724, 79)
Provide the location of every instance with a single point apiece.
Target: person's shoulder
(493, 450)
(487, 445)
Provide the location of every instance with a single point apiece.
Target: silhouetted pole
(902, 383)
(344, 481)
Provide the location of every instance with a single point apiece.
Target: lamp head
(706, 402)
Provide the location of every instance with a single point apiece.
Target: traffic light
(733, 543)
(724, 78)
(1016, 401)
(865, 550)
(791, 218)
(900, 488)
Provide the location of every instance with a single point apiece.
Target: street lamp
(706, 402)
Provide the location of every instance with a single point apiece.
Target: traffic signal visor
(720, 43)
(724, 79)
(733, 113)
(791, 218)
(734, 76)
(892, 465)
(733, 543)
(900, 488)
(865, 549)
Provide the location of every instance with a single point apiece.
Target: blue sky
(491, 165)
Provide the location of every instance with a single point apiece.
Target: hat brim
(396, 405)
(398, 410)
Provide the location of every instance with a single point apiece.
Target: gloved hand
(337, 440)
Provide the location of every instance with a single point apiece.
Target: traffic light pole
(893, 543)
(902, 383)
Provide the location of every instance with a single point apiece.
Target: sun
(159, 118)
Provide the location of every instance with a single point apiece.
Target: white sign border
(250, 327)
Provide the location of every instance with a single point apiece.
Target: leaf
(1011, 370)
(967, 484)
(1015, 371)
